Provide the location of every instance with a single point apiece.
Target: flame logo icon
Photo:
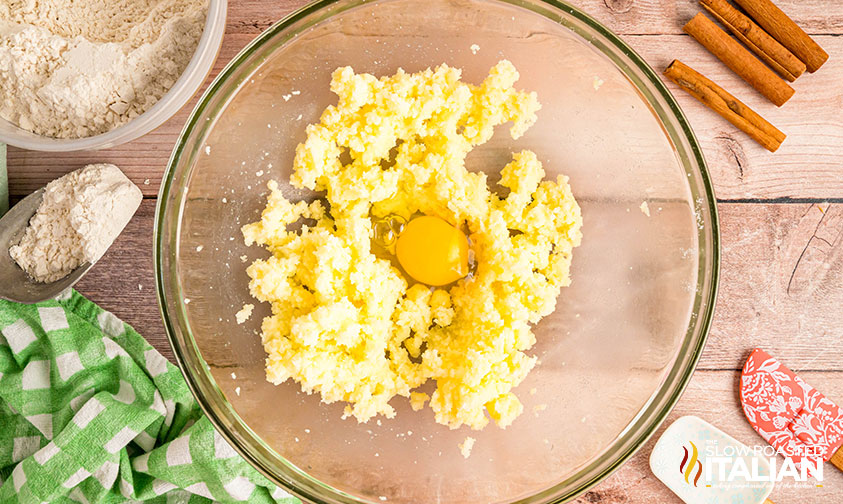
(687, 466)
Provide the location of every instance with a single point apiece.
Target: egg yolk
(432, 251)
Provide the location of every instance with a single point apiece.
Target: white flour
(79, 217)
(77, 68)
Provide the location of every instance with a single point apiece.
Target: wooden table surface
(781, 217)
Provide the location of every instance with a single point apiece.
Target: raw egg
(432, 251)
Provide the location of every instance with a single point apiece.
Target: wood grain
(657, 17)
(780, 286)
(255, 16)
(630, 17)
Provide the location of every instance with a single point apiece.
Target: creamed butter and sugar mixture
(346, 322)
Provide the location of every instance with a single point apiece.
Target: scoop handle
(837, 459)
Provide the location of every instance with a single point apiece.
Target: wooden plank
(622, 16)
(780, 287)
(255, 16)
(713, 396)
(740, 168)
(654, 17)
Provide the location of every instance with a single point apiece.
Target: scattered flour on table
(79, 217)
(77, 68)
(645, 208)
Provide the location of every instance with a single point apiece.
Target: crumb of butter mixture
(466, 446)
(345, 322)
(244, 313)
(597, 83)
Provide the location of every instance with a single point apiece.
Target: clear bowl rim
(302, 484)
(189, 82)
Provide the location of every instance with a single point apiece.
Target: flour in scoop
(78, 68)
(79, 217)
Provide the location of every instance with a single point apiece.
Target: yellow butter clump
(346, 323)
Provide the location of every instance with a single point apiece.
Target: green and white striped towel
(91, 413)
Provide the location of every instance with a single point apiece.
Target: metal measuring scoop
(15, 284)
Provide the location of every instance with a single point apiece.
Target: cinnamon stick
(777, 56)
(739, 59)
(780, 26)
(729, 107)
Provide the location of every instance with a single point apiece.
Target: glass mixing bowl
(614, 357)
